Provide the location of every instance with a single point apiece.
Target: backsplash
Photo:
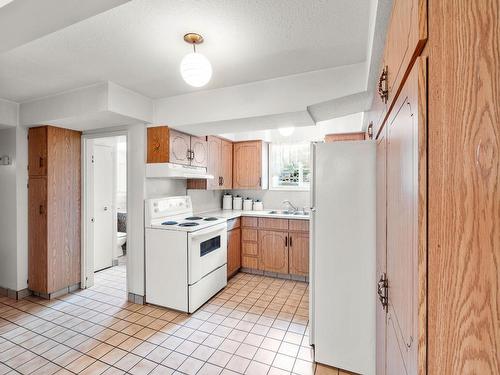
(205, 200)
(273, 198)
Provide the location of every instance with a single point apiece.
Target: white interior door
(103, 212)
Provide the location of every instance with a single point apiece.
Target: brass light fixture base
(193, 38)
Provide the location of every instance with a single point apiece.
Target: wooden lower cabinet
(273, 251)
(275, 245)
(298, 253)
(233, 251)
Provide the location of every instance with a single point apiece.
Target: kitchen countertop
(232, 214)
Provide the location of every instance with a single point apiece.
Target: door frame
(87, 229)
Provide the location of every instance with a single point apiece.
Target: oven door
(207, 251)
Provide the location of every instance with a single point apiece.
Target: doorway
(105, 201)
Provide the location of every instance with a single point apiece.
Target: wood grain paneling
(249, 234)
(37, 151)
(354, 136)
(158, 144)
(247, 165)
(226, 164)
(249, 222)
(298, 253)
(214, 161)
(249, 248)
(276, 224)
(273, 251)
(249, 262)
(464, 187)
(37, 240)
(298, 225)
(55, 258)
(180, 144)
(199, 148)
(233, 251)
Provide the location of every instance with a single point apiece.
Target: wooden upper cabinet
(298, 245)
(37, 151)
(199, 149)
(180, 145)
(250, 165)
(355, 136)
(226, 165)
(406, 38)
(214, 160)
(158, 144)
(273, 251)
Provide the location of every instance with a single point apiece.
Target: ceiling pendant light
(195, 68)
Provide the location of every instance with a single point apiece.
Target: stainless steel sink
(285, 212)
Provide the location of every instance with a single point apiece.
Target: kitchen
(289, 199)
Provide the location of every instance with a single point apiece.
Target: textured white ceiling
(139, 45)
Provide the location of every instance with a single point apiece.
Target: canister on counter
(247, 204)
(227, 202)
(237, 203)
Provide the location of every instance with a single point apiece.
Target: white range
(186, 255)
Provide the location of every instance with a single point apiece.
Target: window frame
(269, 171)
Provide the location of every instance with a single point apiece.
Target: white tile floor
(256, 325)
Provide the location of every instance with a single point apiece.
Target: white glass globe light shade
(196, 70)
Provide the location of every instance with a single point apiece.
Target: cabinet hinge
(383, 291)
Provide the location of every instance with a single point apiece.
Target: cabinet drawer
(233, 224)
(298, 225)
(249, 234)
(249, 262)
(249, 222)
(279, 224)
(249, 248)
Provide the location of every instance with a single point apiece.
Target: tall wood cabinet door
(298, 248)
(199, 147)
(37, 151)
(403, 230)
(381, 259)
(214, 156)
(180, 144)
(37, 240)
(158, 144)
(226, 164)
(247, 165)
(273, 251)
(233, 251)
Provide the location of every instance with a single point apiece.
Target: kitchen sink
(285, 212)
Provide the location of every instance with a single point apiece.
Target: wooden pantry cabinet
(250, 164)
(438, 226)
(165, 145)
(53, 209)
(275, 245)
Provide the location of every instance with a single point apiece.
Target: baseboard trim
(276, 275)
(57, 293)
(14, 294)
(136, 298)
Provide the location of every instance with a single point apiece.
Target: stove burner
(194, 218)
(188, 224)
(169, 222)
(211, 219)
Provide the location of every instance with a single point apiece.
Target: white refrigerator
(342, 255)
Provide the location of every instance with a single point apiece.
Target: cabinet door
(299, 253)
(37, 151)
(247, 165)
(226, 164)
(403, 231)
(180, 144)
(37, 240)
(158, 144)
(199, 147)
(233, 251)
(273, 251)
(214, 156)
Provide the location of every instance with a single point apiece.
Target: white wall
(22, 207)
(8, 212)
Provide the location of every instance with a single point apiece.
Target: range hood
(169, 170)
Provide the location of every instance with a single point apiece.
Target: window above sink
(289, 166)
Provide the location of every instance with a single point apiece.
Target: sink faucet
(286, 201)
